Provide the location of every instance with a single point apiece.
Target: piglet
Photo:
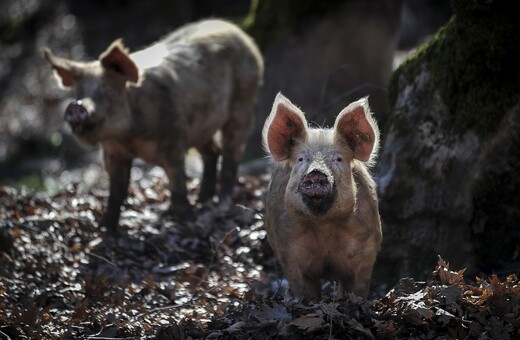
(322, 216)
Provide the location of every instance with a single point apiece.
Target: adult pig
(322, 214)
(158, 102)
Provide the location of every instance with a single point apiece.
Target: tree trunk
(323, 55)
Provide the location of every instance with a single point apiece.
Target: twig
(350, 92)
(6, 336)
(195, 298)
(330, 316)
(326, 82)
(162, 254)
(280, 279)
(218, 244)
(104, 259)
(107, 338)
(244, 207)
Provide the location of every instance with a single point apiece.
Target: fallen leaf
(309, 323)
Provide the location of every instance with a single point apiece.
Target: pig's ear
(116, 58)
(67, 71)
(356, 127)
(285, 125)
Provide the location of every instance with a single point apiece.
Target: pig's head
(321, 181)
(101, 108)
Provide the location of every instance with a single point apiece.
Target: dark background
(321, 56)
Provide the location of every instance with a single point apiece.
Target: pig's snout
(76, 113)
(315, 184)
(317, 192)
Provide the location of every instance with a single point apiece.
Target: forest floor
(61, 277)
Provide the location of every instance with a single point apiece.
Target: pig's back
(220, 65)
(200, 71)
(196, 50)
(216, 39)
(201, 29)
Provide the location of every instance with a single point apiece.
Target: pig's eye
(339, 159)
(300, 159)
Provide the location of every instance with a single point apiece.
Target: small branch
(330, 317)
(350, 92)
(6, 336)
(104, 259)
(195, 298)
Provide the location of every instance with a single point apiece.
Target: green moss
(474, 64)
(409, 69)
(10, 29)
(31, 183)
(269, 19)
(400, 120)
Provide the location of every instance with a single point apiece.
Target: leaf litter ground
(61, 277)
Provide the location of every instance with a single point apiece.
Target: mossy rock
(448, 171)
(474, 64)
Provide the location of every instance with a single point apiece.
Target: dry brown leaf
(309, 322)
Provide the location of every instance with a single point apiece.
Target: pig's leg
(234, 136)
(345, 284)
(180, 207)
(304, 285)
(361, 285)
(228, 176)
(358, 284)
(308, 288)
(209, 153)
(119, 172)
(231, 153)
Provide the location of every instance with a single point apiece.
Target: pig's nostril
(308, 183)
(315, 184)
(76, 113)
(317, 192)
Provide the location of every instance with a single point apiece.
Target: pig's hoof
(225, 202)
(179, 215)
(206, 197)
(111, 227)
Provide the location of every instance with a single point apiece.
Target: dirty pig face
(320, 159)
(85, 114)
(320, 173)
(317, 186)
(101, 109)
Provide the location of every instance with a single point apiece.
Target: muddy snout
(76, 113)
(317, 192)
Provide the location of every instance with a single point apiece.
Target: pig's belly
(151, 151)
(203, 131)
(200, 139)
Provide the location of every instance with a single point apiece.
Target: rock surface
(447, 175)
